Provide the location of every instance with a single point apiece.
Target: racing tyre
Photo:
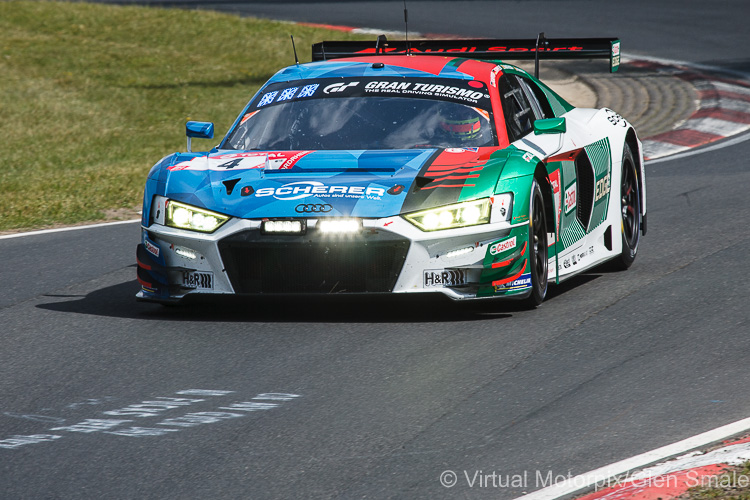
(630, 208)
(538, 259)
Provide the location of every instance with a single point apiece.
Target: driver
(462, 124)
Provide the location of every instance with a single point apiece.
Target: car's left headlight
(468, 213)
(183, 216)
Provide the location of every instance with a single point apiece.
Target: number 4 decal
(231, 164)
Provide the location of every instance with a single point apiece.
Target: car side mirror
(550, 126)
(201, 130)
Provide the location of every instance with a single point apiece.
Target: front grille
(299, 264)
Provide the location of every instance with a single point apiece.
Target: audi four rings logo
(313, 208)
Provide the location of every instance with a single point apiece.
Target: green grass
(91, 96)
(734, 484)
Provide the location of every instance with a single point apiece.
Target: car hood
(374, 183)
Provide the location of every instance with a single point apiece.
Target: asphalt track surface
(377, 398)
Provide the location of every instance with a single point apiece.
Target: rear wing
(516, 49)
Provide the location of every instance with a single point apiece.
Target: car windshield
(346, 117)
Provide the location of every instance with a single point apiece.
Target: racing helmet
(461, 123)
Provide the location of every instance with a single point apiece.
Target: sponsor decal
(339, 87)
(528, 156)
(289, 162)
(463, 91)
(388, 85)
(502, 246)
(524, 281)
(151, 248)
(428, 89)
(397, 189)
(570, 198)
(462, 150)
(501, 204)
(246, 191)
(281, 160)
(313, 208)
(444, 277)
(304, 189)
(602, 187)
(577, 256)
(493, 75)
(467, 49)
(554, 179)
(158, 210)
(198, 280)
(268, 98)
(615, 56)
(287, 94)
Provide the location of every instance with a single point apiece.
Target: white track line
(585, 481)
(63, 229)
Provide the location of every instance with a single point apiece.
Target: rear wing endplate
(517, 49)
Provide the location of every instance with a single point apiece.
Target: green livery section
(578, 188)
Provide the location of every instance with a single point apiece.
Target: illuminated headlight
(468, 213)
(183, 216)
(283, 227)
(186, 253)
(457, 253)
(339, 226)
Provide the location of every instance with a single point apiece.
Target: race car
(400, 167)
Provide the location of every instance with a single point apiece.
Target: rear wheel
(537, 263)
(630, 211)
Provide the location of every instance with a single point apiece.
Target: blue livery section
(254, 184)
(260, 184)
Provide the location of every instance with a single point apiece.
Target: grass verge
(91, 96)
(733, 484)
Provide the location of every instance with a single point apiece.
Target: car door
(580, 178)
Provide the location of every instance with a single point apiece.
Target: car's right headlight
(468, 213)
(184, 216)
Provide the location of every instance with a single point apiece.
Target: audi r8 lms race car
(397, 167)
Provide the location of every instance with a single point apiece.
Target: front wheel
(630, 208)
(537, 263)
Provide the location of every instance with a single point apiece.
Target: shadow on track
(118, 301)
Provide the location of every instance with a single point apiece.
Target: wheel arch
(632, 142)
(541, 176)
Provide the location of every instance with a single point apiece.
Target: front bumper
(390, 255)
